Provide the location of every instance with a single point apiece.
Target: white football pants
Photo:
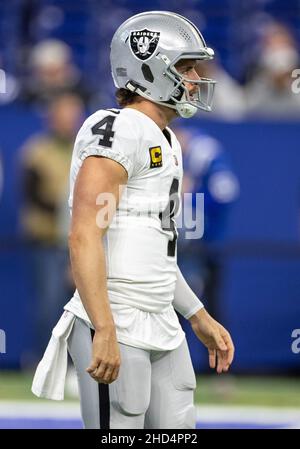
(154, 390)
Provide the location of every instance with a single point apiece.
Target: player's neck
(161, 115)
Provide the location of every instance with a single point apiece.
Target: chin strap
(135, 87)
(186, 110)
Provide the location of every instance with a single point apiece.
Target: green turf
(222, 390)
(263, 391)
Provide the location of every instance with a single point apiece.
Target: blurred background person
(229, 101)
(269, 93)
(207, 170)
(52, 72)
(46, 161)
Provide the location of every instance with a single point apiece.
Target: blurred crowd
(51, 73)
(267, 92)
(265, 89)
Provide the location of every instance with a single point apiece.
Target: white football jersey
(140, 244)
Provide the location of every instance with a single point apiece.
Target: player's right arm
(97, 175)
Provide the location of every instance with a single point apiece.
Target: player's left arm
(216, 338)
(211, 333)
(185, 301)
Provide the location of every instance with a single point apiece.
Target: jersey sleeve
(108, 135)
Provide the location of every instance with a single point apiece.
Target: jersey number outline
(107, 133)
(166, 216)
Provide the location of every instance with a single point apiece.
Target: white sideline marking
(249, 414)
(27, 409)
(285, 417)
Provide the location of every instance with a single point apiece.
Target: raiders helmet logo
(143, 43)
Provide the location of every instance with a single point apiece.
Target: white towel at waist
(50, 375)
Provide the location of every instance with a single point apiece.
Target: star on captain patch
(155, 157)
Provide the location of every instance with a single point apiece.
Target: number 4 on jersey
(104, 129)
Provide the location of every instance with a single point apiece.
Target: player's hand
(106, 359)
(216, 338)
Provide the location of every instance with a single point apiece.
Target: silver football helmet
(144, 53)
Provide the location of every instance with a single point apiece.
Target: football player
(128, 348)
